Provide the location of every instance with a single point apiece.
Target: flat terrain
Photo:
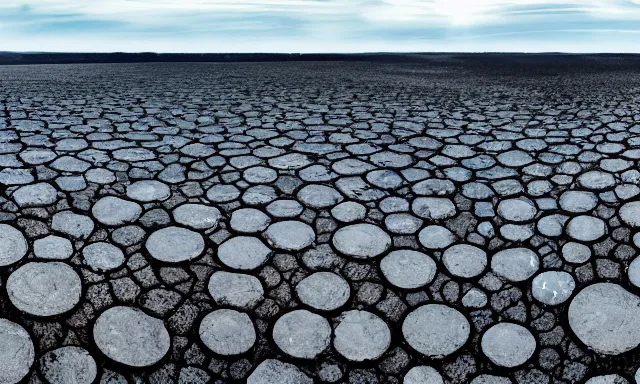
(413, 219)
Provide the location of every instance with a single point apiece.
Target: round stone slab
(436, 237)
(148, 190)
(175, 245)
(464, 260)
(273, 371)
(324, 291)
(13, 245)
(102, 257)
(515, 264)
(586, 228)
(53, 247)
(302, 334)
(552, 287)
(235, 289)
(115, 211)
(508, 345)
(68, 365)
(423, 375)
(361, 335)
(16, 352)
(243, 252)
(44, 288)
(408, 269)
(630, 214)
(436, 330)
(130, 337)
(361, 241)
(227, 332)
(290, 235)
(606, 318)
(35, 195)
(197, 216)
(249, 220)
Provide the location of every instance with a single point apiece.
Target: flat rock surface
(437, 218)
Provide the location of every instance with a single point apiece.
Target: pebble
(13, 245)
(290, 235)
(324, 291)
(16, 352)
(508, 345)
(68, 365)
(361, 241)
(408, 269)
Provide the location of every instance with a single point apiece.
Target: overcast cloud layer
(320, 25)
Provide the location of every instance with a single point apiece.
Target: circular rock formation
(586, 228)
(324, 291)
(515, 264)
(227, 332)
(197, 216)
(552, 287)
(361, 336)
(148, 190)
(361, 241)
(102, 257)
(16, 352)
(508, 345)
(175, 245)
(44, 288)
(235, 289)
(243, 252)
(464, 260)
(302, 334)
(423, 375)
(408, 269)
(273, 371)
(606, 318)
(436, 330)
(13, 245)
(130, 337)
(290, 235)
(68, 365)
(114, 211)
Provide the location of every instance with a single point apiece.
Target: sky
(304, 26)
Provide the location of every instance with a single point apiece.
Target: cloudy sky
(320, 25)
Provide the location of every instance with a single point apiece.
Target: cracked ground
(428, 220)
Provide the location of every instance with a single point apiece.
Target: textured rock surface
(339, 222)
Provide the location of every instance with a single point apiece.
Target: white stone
(552, 287)
(44, 288)
(273, 371)
(436, 237)
(361, 335)
(436, 330)
(323, 291)
(16, 352)
(68, 365)
(148, 190)
(302, 334)
(114, 211)
(243, 252)
(13, 245)
(290, 235)
(515, 264)
(249, 220)
(130, 337)
(508, 345)
(53, 248)
(464, 260)
(103, 257)
(586, 228)
(197, 216)
(361, 241)
(235, 289)
(35, 195)
(227, 332)
(175, 245)
(408, 269)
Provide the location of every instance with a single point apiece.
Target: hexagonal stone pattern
(440, 219)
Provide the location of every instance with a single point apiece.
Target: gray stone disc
(16, 352)
(13, 245)
(227, 332)
(175, 245)
(130, 337)
(44, 288)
